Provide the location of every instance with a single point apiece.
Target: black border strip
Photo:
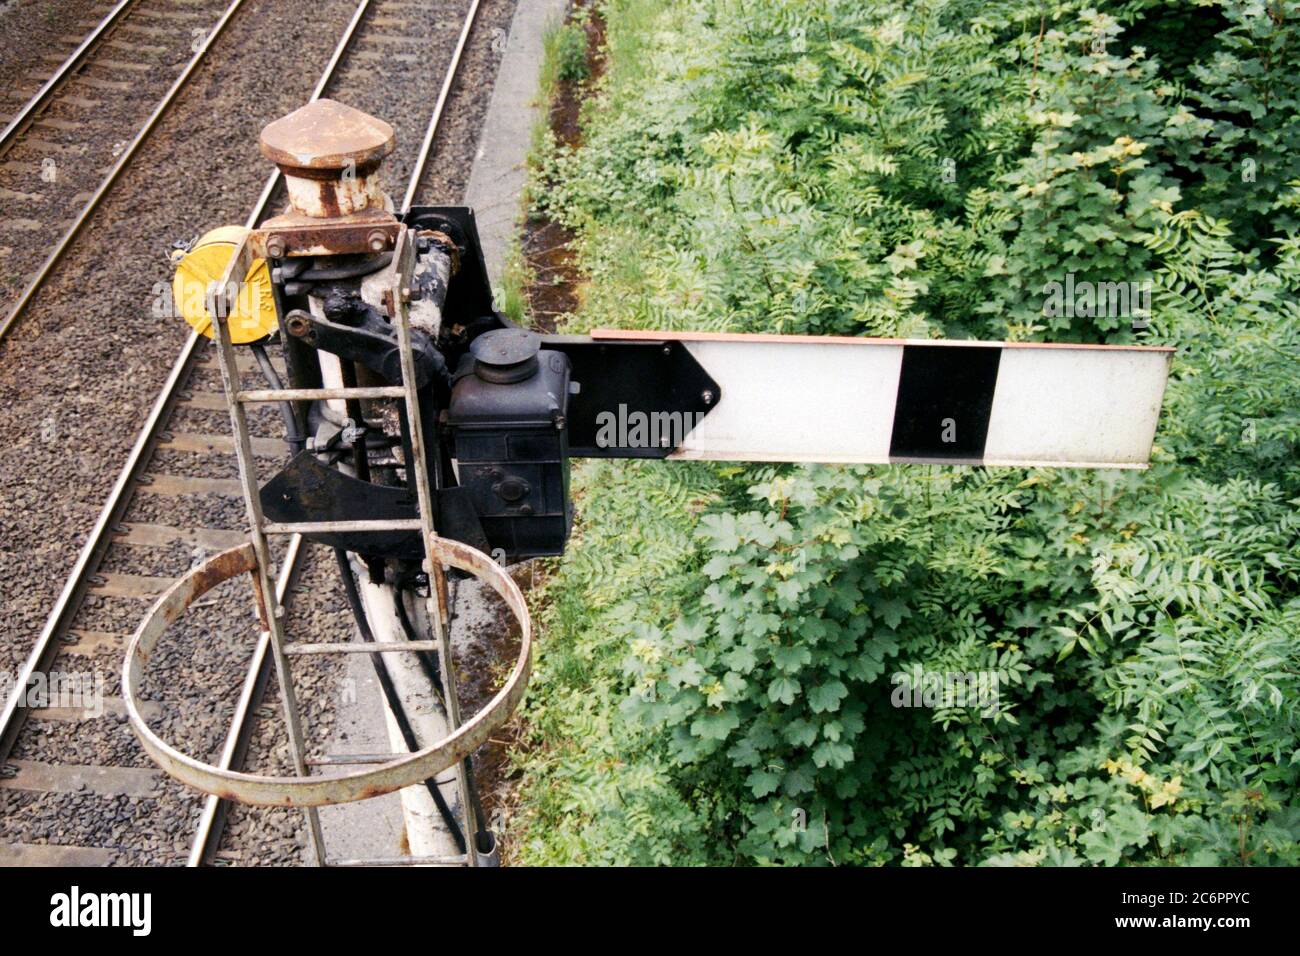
(945, 398)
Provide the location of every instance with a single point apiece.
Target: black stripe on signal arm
(945, 395)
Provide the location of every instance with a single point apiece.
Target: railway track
(74, 786)
(69, 142)
(24, 115)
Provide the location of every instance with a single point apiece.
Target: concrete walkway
(496, 184)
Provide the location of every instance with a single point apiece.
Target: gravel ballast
(80, 371)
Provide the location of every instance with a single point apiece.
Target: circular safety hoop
(313, 791)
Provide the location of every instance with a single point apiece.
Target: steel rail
(417, 174)
(14, 714)
(93, 203)
(74, 60)
(46, 647)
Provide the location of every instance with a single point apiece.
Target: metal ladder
(273, 618)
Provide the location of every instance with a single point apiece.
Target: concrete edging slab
(496, 183)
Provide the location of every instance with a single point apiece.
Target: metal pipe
(341, 527)
(378, 647)
(313, 394)
(82, 217)
(291, 435)
(408, 712)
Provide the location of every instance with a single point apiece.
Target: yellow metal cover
(253, 316)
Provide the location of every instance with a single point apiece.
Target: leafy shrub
(723, 643)
(564, 52)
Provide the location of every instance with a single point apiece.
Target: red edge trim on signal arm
(658, 336)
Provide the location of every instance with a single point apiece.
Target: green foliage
(725, 647)
(564, 54)
(512, 288)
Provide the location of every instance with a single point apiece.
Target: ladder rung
(313, 394)
(340, 527)
(347, 760)
(375, 647)
(353, 760)
(403, 861)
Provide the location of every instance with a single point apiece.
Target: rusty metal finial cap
(325, 135)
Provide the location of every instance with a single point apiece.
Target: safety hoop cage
(323, 790)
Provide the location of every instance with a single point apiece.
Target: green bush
(724, 645)
(564, 53)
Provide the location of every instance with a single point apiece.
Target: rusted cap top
(326, 134)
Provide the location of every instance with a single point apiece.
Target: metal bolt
(668, 350)
(707, 396)
(377, 240)
(297, 325)
(275, 247)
